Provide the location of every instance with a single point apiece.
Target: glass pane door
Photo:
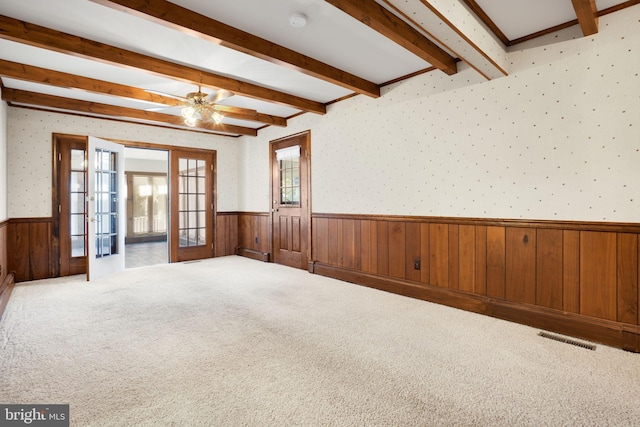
(192, 205)
(106, 208)
(290, 203)
(106, 203)
(192, 198)
(77, 203)
(70, 177)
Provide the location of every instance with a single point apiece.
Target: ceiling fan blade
(230, 109)
(220, 95)
(157, 92)
(164, 109)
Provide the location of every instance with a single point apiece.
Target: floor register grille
(567, 340)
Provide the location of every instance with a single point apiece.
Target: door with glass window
(192, 205)
(106, 208)
(290, 200)
(70, 203)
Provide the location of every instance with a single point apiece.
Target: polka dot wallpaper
(558, 138)
(29, 154)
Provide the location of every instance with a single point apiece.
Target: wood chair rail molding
(620, 227)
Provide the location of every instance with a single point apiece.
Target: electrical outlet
(416, 264)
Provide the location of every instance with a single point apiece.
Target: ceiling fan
(200, 106)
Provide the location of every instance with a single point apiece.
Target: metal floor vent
(567, 340)
(191, 262)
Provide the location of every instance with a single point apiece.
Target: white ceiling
(330, 36)
(520, 18)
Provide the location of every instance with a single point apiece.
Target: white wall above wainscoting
(557, 139)
(30, 155)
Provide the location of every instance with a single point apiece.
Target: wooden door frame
(55, 187)
(56, 197)
(174, 256)
(307, 216)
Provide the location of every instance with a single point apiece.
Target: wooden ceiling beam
(186, 21)
(587, 14)
(372, 14)
(45, 38)
(50, 101)
(56, 78)
(480, 13)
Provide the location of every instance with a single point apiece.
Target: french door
(106, 208)
(88, 197)
(69, 193)
(290, 200)
(192, 204)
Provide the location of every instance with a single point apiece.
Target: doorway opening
(167, 199)
(147, 188)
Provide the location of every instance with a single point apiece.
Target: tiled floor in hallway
(143, 254)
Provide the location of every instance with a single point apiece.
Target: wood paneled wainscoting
(226, 233)
(31, 250)
(30, 246)
(574, 278)
(254, 239)
(243, 233)
(6, 277)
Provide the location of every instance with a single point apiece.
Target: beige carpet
(236, 342)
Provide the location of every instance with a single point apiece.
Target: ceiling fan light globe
(217, 117)
(190, 121)
(188, 112)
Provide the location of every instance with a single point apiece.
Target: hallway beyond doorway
(143, 254)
